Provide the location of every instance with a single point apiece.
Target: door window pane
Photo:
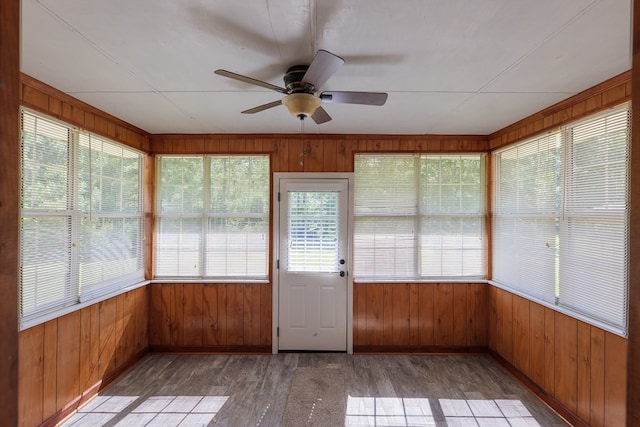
(313, 232)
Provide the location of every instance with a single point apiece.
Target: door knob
(342, 274)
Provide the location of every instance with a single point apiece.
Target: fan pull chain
(303, 152)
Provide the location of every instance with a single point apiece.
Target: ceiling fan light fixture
(301, 105)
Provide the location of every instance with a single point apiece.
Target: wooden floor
(315, 390)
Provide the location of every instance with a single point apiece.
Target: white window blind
(560, 219)
(418, 217)
(593, 270)
(81, 217)
(386, 205)
(452, 200)
(213, 217)
(110, 201)
(180, 198)
(46, 279)
(313, 231)
(526, 216)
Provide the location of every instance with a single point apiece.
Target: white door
(312, 264)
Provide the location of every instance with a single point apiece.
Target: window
(526, 216)
(560, 219)
(419, 217)
(81, 219)
(314, 231)
(593, 239)
(213, 217)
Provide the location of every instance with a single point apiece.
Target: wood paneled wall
(43, 98)
(65, 361)
(9, 179)
(610, 93)
(387, 317)
(210, 317)
(419, 317)
(229, 317)
(314, 153)
(572, 363)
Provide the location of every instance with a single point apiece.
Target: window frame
(74, 297)
(204, 216)
(421, 213)
(563, 218)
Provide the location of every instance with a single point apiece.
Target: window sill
(443, 280)
(26, 324)
(162, 280)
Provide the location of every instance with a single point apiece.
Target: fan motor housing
(293, 79)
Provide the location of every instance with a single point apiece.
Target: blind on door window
(313, 230)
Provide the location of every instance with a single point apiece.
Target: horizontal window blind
(46, 277)
(111, 226)
(526, 216)
(81, 217)
(452, 208)
(419, 217)
(178, 247)
(560, 217)
(180, 206)
(237, 239)
(593, 271)
(386, 204)
(213, 217)
(45, 264)
(313, 231)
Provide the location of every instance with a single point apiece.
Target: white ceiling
(449, 66)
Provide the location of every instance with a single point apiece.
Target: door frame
(275, 233)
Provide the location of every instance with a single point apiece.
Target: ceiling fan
(302, 82)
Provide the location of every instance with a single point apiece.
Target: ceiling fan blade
(323, 66)
(320, 116)
(250, 80)
(262, 107)
(365, 98)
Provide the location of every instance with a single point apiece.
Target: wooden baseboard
(541, 393)
(212, 349)
(430, 349)
(90, 392)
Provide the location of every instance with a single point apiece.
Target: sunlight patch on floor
(398, 411)
(165, 411)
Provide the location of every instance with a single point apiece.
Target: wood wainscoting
(210, 317)
(600, 97)
(66, 361)
(420, 317)
(314, 153)
(426, 317)
(45, 99)
(577, 368)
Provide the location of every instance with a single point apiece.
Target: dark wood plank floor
(322, 389)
